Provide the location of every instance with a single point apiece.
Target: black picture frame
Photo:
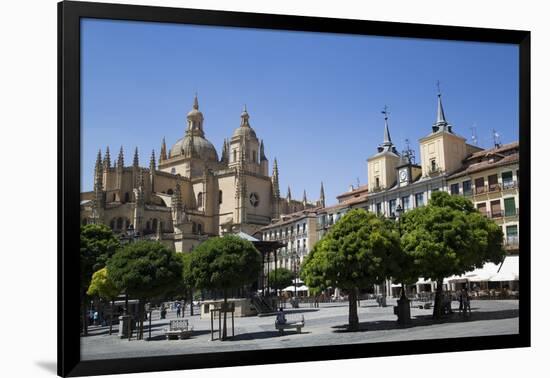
(69, 15)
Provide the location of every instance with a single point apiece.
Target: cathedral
(191, 193)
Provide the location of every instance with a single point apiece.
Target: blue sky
(314, 98)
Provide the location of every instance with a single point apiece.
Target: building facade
(190, 193)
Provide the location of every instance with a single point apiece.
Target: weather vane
(385, 112)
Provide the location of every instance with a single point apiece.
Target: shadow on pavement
(50, 366)
(263, 335)
(427, 320)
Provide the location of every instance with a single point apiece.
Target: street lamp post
(403, 305)
(294, 257)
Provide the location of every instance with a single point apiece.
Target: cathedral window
(220, 197)
(254, 156)
(173, 171)
(155, 224)
(170, 191)
(126, 197)
(119, 224)
(114, 197)
(199, 200)
(112, 224)
(234, 155)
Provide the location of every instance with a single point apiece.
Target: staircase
(262, 305)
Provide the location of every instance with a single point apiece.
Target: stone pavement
(323, 326)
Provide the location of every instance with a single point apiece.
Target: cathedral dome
(203, 149)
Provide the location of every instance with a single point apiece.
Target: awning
(509, 270)
(298, 288)
(422, 281)
(482, 274)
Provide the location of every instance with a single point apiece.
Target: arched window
(220, 197)
(126, 223)
(194, 230)
(173, 171)
(254, 156)
(114, 197)
(234, 155)
(155, 224)
(170, 191)
(148, 225)
(126, 197)
(199, 200)
(199, 228)
(113, 224)
(119, 224)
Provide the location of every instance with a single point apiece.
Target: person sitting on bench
(281, 319)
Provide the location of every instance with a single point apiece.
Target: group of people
(464, 302)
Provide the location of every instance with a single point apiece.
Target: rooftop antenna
(496, 139)
(474, 135)
(408, 152)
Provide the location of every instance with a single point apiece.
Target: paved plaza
(323, 326)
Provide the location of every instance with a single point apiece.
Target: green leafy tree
(357, 252)
(145, 270)
(103, 287)
(184, 289)
(449, 237)
(97, 245)
(280, 278)
(224, 263)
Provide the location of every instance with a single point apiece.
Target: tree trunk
(353, 318)
(111, 317)
(438, 302)
(224, 332)
(140, 317)
(191, 303)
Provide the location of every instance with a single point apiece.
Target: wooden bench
(298, 325)
(179, 328)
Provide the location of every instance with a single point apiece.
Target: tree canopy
(102, 286)
(97, 245)
(358, 251)
(145, 269)
(226, 262)
(280, 278)
(449, 237)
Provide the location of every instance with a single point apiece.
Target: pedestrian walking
(178, 310)
(466, 303)
(460, 300)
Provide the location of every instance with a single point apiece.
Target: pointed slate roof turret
(441, 123)
(262, 152)
(163, 156)
(387, 144)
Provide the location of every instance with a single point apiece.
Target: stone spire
(441, 123)
(225, 152)
(163, 156)
(120, 160)
(152, 162)
(98, 176)
(262, 152)
(322, 196)
(288, 195)
(136, 158)
(275, 180)
(196, 102)
(304, 199)
(107, 160)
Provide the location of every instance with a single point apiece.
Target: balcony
(509, 185)
(377, 188)
(468, 193)
(514, 212)
(480, 189)
(493, 188)
(434, 171)
(497, 214)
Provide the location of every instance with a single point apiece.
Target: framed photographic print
(255, 189)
